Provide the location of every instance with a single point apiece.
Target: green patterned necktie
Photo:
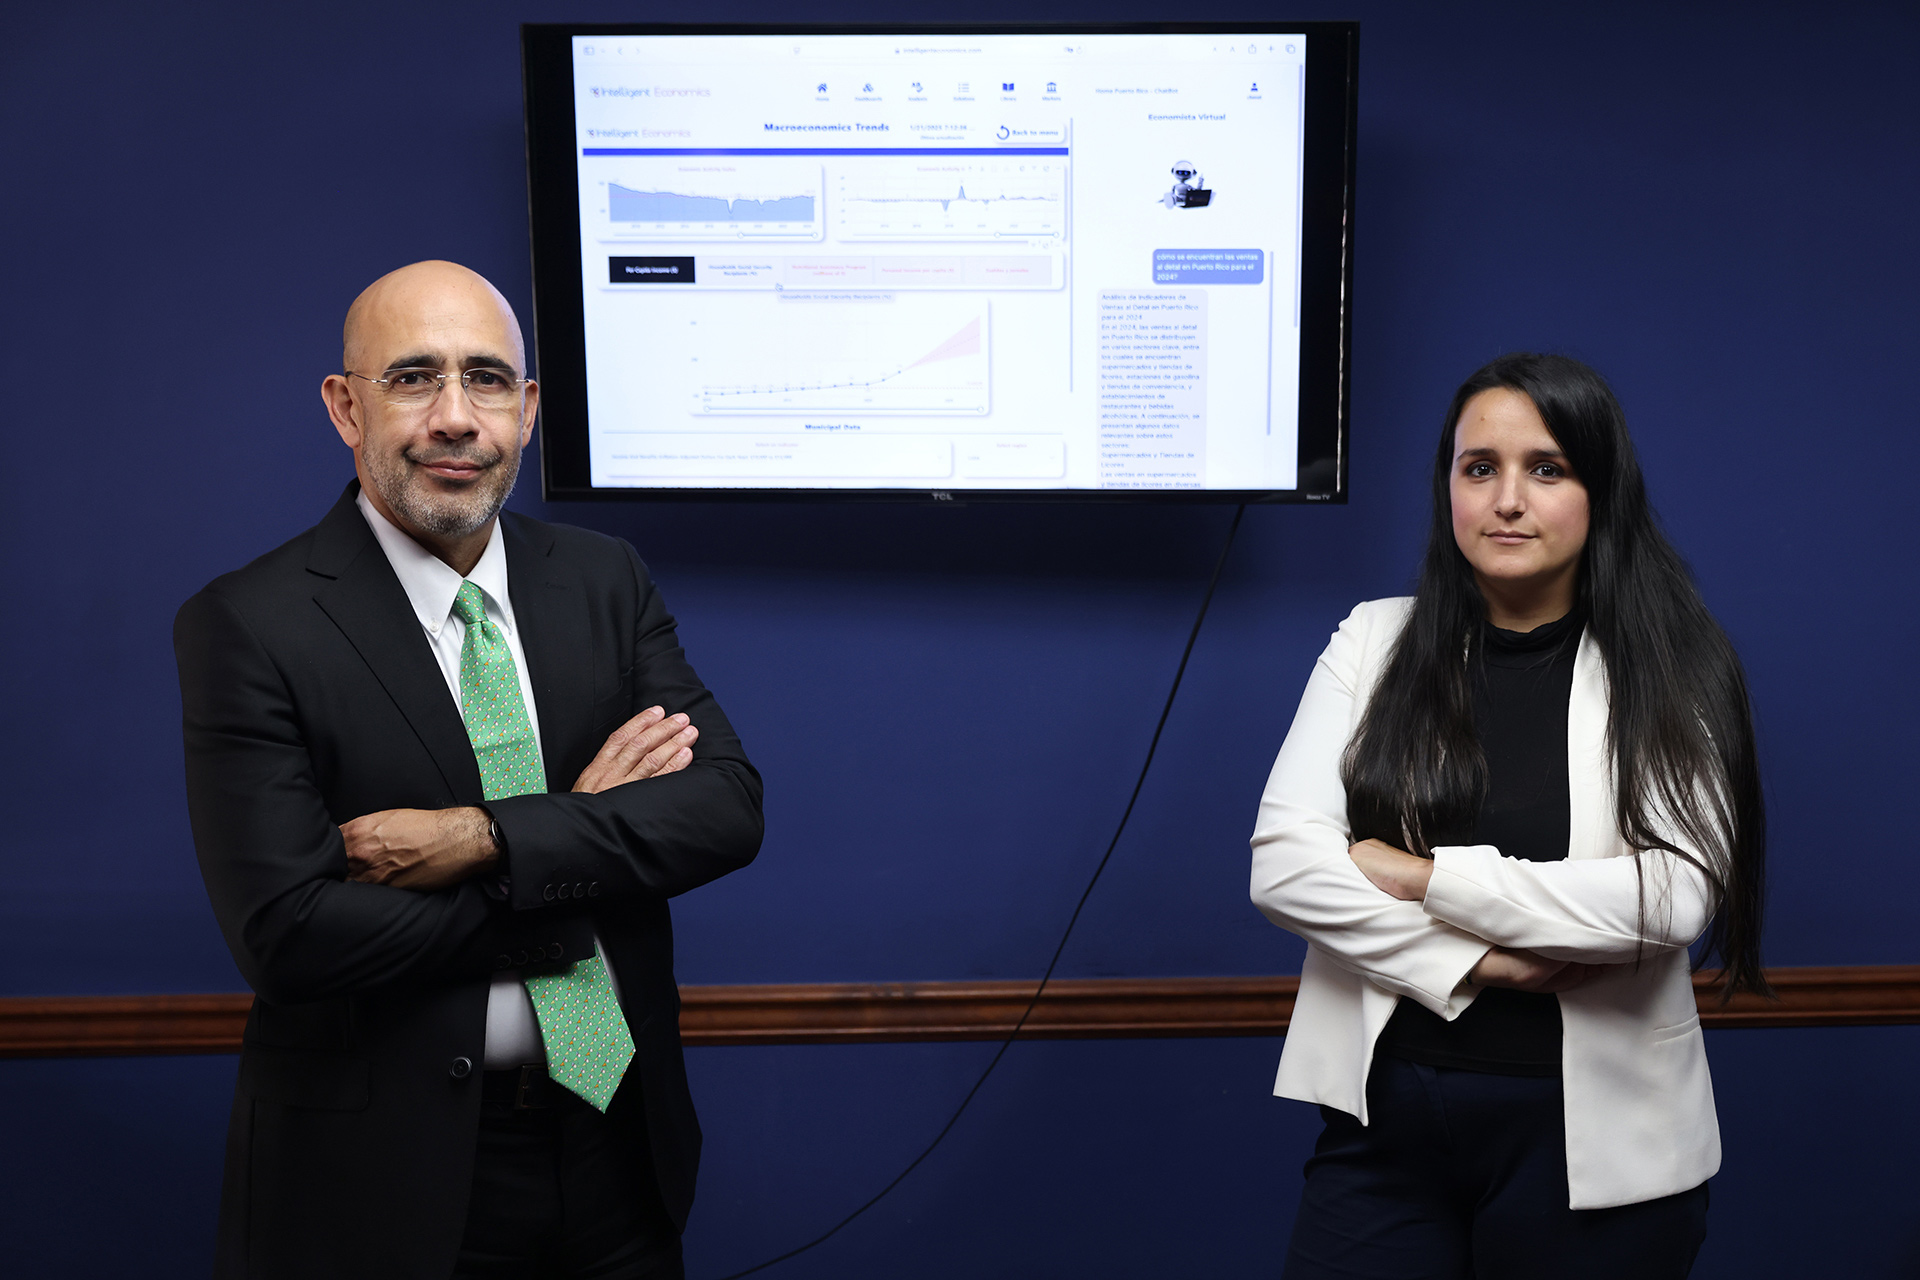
(588, 1045)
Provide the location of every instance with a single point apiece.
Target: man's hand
(650, 744)
(1392, 870)
(1529, 971)
(422, 849)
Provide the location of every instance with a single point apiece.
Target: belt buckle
(531, 1074)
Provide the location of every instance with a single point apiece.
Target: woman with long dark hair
(1505, 811)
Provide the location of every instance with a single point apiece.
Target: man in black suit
(445, 767)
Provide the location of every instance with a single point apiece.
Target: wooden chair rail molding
(873, 1013)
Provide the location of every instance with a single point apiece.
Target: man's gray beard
(443, 515)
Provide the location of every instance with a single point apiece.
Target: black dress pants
(1462, 1175)
(560, 1193)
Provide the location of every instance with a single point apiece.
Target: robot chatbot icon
(1189, 188)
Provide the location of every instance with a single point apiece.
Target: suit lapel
(362, 597)
(550, 610)
(1589, 769)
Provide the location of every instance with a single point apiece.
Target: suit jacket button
(547, 893)
(503, 962)
(593, 890)
(460, 1068)
(580, 891)
(522, 959)
(557, 950)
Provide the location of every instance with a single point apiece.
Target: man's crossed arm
(428, 849)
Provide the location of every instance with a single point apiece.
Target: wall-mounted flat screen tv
(955, 263)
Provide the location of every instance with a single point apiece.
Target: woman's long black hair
(1679, 729)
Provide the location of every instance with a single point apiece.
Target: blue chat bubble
(1209, 266)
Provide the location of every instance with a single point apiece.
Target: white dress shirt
(513, 1032)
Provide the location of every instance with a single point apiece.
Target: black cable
(1140, 782)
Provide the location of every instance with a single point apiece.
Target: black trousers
(560, 1193)
(1462, 1175)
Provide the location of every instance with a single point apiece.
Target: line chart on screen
(951, 199)
(707, 198)
(925, 355)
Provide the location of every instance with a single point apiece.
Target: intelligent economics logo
(655, 91)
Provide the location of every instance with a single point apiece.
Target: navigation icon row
(963, 86)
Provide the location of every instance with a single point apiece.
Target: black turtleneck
(1522, 682)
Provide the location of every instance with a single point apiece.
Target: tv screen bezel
(1326, 262)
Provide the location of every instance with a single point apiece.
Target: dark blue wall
(1712, 203)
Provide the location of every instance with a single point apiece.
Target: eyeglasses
(489, 390)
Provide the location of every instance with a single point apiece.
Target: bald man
(445, 766)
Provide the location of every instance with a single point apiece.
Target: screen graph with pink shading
(916, 355)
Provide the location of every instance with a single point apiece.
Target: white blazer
(1639, 1104)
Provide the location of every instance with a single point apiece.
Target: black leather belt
(526, 1088)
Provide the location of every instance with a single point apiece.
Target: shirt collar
(429, 583)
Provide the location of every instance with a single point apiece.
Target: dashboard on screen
(942, 263)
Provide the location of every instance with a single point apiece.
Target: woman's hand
(1392, 870)
(1529, 971)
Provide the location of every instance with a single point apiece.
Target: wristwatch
(501, 885)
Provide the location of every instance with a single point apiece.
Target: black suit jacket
(311, 697)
